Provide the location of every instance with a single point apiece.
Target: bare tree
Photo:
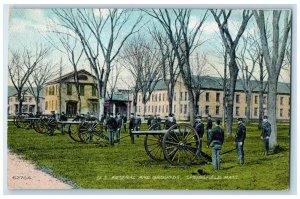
(273, 56)
(221, 17)
(37, 79)
(142, 58)
(170, 69)
(90, 25)
(184, 40)
(113, 80)
(199, 69)
(69, 46)
(22, 64)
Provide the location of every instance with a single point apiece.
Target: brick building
(211, 100)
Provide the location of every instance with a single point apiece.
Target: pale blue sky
(29, 26)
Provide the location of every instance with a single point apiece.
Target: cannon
(180, 145)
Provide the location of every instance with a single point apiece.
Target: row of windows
(26, 99)
(81, 90)
(51, 105)
(184, 97)
(183, 110)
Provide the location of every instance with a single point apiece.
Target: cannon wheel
(73, 132)
(153, 144)
(21, 122)
(91, 131)
(46, 125)
(181, 145)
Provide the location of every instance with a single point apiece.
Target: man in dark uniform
(265, 134)
(170, 121)
(158, 120)
(119, 126)
(240, 139)
(199, 127)
(215, 140)
(131, 127)
(111, 128)
(208, 127)
(63, 118)
(124, 121)
(138, 124)
(150, 121)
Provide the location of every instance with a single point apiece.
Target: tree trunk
(272, 106)
(191, 106)
(197, 97)
(170, 105)
(233, 69)
(20, 98)
(144, 109)
(261, 93)
(248, 102)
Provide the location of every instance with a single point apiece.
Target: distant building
(28, 105)
(211, 100)
(120, 102)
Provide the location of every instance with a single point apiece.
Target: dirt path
(21, 174)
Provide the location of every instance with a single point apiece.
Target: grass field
(126, 166)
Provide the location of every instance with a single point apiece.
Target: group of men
(215, 138)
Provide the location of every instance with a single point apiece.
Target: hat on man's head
(198, 117)
(265, 117)
(240, 119)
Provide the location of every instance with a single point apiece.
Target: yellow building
(211, 100)
(69, 98)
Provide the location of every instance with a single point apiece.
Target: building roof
(65, 76)
(11, 91)
(216, 83)
(119, 96)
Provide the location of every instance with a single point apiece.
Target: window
(81, 89)
(148, 109)
(25, 99)
(155, 109)
(207, 96)
(237, 98)
(139, 96)
(139, 109)
(237, 111)
(152, 108)
(94, 91)
(159, 97)
(174, 96)
(56, 104)
(265, 99)
(207, 110)
(30, 99)
(217, 110)
(185, 96)
(95, 107)
(256, 99)
(82, 77)
(163, 97)
(56, 89)
(167, 108)
(69, 89)
(185, 109)
(181, 108)
(255, 111)
(24, 108)
(46, 105)
(217, 97)
(46, 91)
(159, 108)
(281, 112)
(156, 97)
(181, 95)
(163, 109)
(281, 100)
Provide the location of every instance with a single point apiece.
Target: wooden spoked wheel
(153, 144)
(181, 145)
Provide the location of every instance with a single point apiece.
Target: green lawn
(126, 166)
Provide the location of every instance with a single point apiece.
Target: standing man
(63, 118)
(240, 139)
(208, 128)
(215, 140)
(138, 124)
(170, 121)
(111, 128)
(119, 126)
(150, 121)
(199, 127)
(265, 134)
(124, 121)
(131, 127)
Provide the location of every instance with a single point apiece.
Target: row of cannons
(180, 145)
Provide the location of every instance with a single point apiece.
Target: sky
(31, 26)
